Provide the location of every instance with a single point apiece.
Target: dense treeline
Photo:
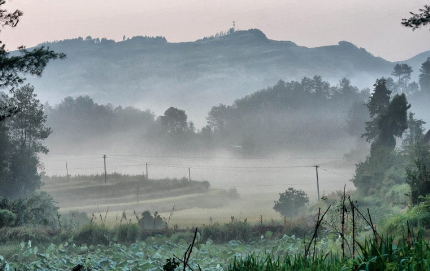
(21, 141)
(295, 115)
(287, 115)
(80, 118)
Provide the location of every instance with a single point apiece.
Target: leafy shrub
(235, 230)
(398, 195)
(26, 233)
(418, 217)
(232, 193)
(291, 202)
(38, 209)
(128, 233)
(93, 234)
(74, 220)
(147, 221)
(185, 236)
(419, 173)
(7, 218)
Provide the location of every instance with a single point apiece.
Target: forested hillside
(153, 73)
(288, 116)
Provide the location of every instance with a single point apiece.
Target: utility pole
(67, 170)
(318, 185)
(189, 174)
(104, 160)
(137, 195)
(147, 171)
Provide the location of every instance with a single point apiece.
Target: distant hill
(154, 73)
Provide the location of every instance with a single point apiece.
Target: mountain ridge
(154, 73)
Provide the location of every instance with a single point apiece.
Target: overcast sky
(371, 24)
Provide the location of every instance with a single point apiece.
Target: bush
(291, 202)
(25, 233)
(74, 220)
(235, 230)
(128, 233)
(38, 209)
(184, 236)
(398, 195)
(93, 234)
(7, 218)
(147, 221)
(232, 193)
(417, 217)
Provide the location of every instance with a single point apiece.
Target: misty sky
(372, 24)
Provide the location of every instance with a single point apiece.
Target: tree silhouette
(403, 73)
(12, 68)
(174, 120)
(291, 202)
(377, 105)
(418, 19)
(393, 122)
(424, 78)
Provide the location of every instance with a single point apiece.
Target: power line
(201, 157)
(186, 166)
(271, 185)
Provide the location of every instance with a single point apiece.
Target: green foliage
(23, 134)
(379, 99)
(393, 122)
(415, 133)
(174, 120)
(7, 218)
(235, 230)
(12, 68)
(85, 118)
(418, 19)
(374, 255)
(149, 255)
(93, 234)
(268, 262)
(128, 233)
(28, 233)
(382, 169)
(358, 115)
(149, 221)
(171, 264)
(74, 220)
(244, 231)
(398, 195)
(389, 118)
(38, 209)
(403, 73)
(418, 174)
(291, 202)
(271, 118)
(425, 76)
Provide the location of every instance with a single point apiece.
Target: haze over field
(141, 118)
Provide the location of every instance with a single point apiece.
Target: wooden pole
(318, 185)
(104, 160)
(67, 170)
(147, 171)
(189, 174)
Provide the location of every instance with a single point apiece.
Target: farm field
(150, 254)
(195, 205)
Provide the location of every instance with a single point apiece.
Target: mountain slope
(153, 73)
